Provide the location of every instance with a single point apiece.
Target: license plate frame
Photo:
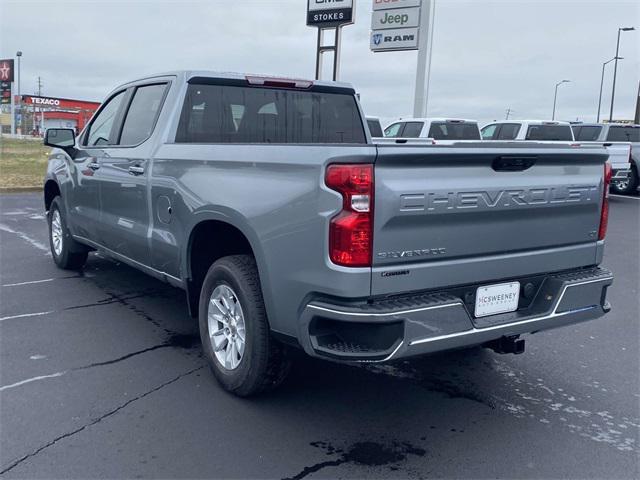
(484, 306)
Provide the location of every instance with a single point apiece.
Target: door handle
(93, 165)
(136, 170)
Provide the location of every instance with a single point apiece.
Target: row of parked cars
(618, 139)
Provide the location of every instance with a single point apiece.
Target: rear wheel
(67, 253)
(627, 186)
(234, 329)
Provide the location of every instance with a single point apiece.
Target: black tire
(630, 187)
(71, 255)
(264, 363)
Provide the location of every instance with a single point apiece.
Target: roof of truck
(435, 119)
(186, 75)
(535, 122)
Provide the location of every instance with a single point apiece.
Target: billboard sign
(400, 18)
(329, 13)
(386, 4)
(392, 40)
(6, 70)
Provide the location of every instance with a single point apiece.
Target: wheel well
(51, 191)
(208, 242)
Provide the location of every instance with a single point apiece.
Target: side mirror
(64, 138)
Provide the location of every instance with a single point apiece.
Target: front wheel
(234, 329)
(67, 253)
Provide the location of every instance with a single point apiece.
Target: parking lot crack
(110, 413)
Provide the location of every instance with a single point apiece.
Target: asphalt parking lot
(101, 376)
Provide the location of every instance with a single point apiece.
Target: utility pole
(509, 112)
(39, 86)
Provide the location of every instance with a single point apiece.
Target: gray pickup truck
(267, 201)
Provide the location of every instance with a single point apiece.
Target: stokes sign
(329, 13)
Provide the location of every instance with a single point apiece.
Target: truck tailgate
(472, 213)
(619, 154)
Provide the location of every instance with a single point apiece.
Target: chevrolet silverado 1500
(267, 201)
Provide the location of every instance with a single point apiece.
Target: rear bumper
(426, 323)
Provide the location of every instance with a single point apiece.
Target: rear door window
(549, 133)
(412, 129)
(142, 114)
(239, 114)
(624, 134)
(508, 131)
(454, 131)
(587, 133)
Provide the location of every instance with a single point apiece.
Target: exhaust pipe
(503, 345)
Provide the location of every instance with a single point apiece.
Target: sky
(488, 55)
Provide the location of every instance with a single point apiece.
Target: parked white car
(441, 130)
(536, 130)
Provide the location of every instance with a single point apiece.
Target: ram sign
(329, 13)
(398, 39)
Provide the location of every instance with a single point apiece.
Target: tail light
(604, 214)
(351, 230)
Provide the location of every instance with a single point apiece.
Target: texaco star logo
(4, 71)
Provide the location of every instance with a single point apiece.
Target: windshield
(454, 131)
(624, 134)
(549, 133)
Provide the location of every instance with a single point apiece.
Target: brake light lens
(278, 82)
(351, 230)
(604, 214)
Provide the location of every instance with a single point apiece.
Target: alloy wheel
(226, 327)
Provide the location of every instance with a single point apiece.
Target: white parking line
(624, 196)
(28, 283)
(33, 379)
(24, 315)
(25, 237)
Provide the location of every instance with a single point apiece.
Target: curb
(20, 189)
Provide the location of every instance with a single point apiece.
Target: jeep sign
(400, 18)
(397, 39)
(329, 13)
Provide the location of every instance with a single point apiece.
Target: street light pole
(19, 126)
(615, 68)
(601, 85)
(555, 97)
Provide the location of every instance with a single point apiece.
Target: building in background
(40, 113)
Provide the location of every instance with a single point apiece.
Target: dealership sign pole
(406, 25)
(329, 15)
